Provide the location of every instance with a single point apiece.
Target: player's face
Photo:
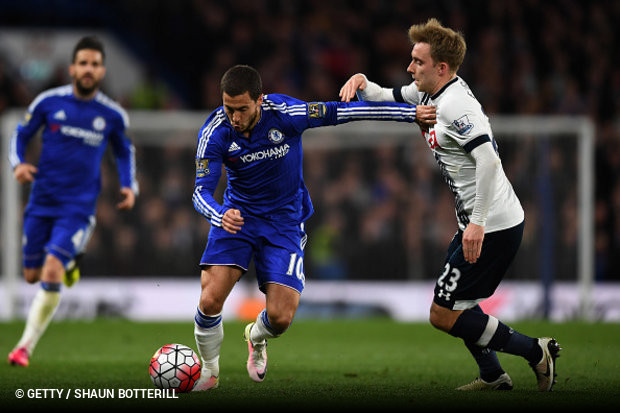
(423, 70)
(243, 112)
(87, 71)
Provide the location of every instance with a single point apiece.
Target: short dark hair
(88, 42)
(240, 79)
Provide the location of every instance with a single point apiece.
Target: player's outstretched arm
(359, 85)
(343, 112)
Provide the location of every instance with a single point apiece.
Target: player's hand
(355, 83)
(232, 221)
(129, 199)
(472, 242)
(24, 172)
(425, 116)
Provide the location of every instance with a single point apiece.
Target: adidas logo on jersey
(233, 147)
(60, 115)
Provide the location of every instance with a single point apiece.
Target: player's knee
(32, 275)
(280, 322)
(210, 305)
(439, 320)
(434, 319)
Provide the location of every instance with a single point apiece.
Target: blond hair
(446, 45)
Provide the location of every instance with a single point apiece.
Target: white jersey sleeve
(409, 94)
(375, 93)
(405, 94)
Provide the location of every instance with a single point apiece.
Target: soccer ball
(175, 366)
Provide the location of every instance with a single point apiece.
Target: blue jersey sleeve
(125, 154)
(336, 113)
(209, 160)
(26, 129)
(316, 114)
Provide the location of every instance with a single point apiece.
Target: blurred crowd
(381, 213)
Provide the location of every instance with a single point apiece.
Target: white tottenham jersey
(461, 127)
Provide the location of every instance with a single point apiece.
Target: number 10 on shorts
(296, 265)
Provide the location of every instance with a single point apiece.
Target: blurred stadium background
(544, 71)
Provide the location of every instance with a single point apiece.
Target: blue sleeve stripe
(110, 103)
(474, 143)
(293, 110)
(205, 209)
(14, 158)
(135, 187)
(207, 132)
(376, 112)
(57, 91)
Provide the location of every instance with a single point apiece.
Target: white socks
(42, 310)
(209, 334)
(262, 330)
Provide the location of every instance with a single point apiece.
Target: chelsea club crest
(275, 136)
(99, 123)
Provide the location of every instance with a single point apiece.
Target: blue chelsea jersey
(74, 139)
(265, 175)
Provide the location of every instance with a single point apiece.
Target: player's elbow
(196, 200)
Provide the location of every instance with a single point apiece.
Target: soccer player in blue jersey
(489, 214)
(78, 121)
(257, 138)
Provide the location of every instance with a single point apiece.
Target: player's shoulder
(456, 97)
(280, 103)
(457, 90)
(460, 110)
(214, 126)
(113, 107)
(49, 95)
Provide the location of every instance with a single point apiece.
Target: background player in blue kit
(489, 214)
(78, 122)
(258, 139)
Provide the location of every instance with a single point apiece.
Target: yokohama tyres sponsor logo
(90, 138)
(272, 153)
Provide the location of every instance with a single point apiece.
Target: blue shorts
(63, 237)
(277, 249)
(463, 285)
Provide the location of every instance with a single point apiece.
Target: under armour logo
(443, 294)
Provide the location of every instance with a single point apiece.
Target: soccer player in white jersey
(257, 138)
(78, 121)
(489, 215)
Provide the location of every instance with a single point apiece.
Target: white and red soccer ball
(175, 366)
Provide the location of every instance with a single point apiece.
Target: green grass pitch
(350, 365)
